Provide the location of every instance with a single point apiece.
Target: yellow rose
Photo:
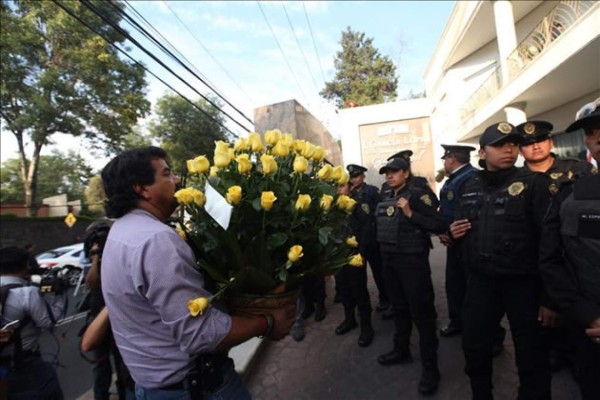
(319, 153)
(241, 144)
(281, 149)
(266, 200)
(198, 196)
(184, 196)
(326, 201)
(355, 261)
(303, 202)
(192, 167)
(198, 165)
(308, 150)
(244, 163)
(351, 241)
(336, 173)
(197, 306)
(222, 160)
(254, 142)
(269, 165)
(325, 172)
(295, 253)
(272, 137)
(234, 195)
(221, 147)
(214, 171)
(300, 164)
(287, 139)
(299, 145)
(345, 203)
(344, 178)
(231, 153)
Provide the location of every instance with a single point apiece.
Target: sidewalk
(327, 366)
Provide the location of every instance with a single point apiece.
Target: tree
(58, 173)
(363, 76)
(59, 76)
(184, 131)
(94, 195)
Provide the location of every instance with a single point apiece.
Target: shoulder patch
(365, 207)
(553, 189)
(594, 170)
(450, 195)
(556, 175)
(426, 199)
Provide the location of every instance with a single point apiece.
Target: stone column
(505, 33)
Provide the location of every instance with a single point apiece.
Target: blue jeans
(34, 379)
(232, 388)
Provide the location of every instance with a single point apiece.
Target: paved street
(326, 366)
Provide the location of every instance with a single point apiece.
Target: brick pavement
(327, 366)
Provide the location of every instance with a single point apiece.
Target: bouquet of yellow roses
(287, 222)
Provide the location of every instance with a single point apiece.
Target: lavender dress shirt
(148, 276)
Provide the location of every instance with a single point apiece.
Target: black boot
(347, 324)
(309, 309)
(320, 311)
(499, 336)
(366, 331)
(396, 356)
(430, 378)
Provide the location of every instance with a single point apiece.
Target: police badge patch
(529, 128)
(365, 207)
(556, 175)
(426, 199)
(504, 127)
(390, 211)
(450, 195)
(516, 188)
(553, 189)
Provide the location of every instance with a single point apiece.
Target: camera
(53, 282)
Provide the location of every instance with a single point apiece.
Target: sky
(260, 53)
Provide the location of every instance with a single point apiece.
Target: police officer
(498, 221)
(536, 148)
(418, 181)
(459, 170)
(570, 250)
(26, 312)
(353, 281)
(404, 219)
(367, 197)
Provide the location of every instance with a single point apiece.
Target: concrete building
(514, 61)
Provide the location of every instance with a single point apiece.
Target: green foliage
(59, 76)
(94, 196)
(184, 131)
(58, 173)
(363, 76)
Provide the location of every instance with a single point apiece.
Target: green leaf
(324, 234)
(275, 240)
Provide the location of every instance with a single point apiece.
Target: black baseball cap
(405, 154)
(355, 170)
(587, 115)
(534, 131)
(498, 134)
(456, 149)
(395, 164)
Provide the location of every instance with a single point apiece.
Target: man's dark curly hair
(13, 259)
(129, 168)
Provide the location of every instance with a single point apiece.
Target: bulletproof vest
(580, 230)
(502, 239)
(395, 232)
(449, 192)
(566, 170)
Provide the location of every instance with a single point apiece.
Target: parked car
(66, 259)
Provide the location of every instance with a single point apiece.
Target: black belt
(207, 366)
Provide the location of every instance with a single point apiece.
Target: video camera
(53, 281)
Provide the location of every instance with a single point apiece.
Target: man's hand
(549, 318)
(283, 319)
(593, 331)
(459, 228)
(402, 203)
(5, 335)
(446, 240)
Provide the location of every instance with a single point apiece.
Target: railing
(555, 23)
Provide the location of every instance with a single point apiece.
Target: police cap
(534, 131)
(355, 170)
(395, 164)
(498, 134)
(456, 149)
(405, 154)
(588, 115)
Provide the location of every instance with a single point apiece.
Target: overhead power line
(314, 43)
(140, 29)
(72, 14)
(299, 46)
(208, 52)
(281, 50)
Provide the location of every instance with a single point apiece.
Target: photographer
(26, 312)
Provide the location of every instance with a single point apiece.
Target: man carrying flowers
(404, 218)
(174, 344)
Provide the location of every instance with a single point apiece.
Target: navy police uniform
(417, 181)
(505, 209)
(456, 278)
(404, 245)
